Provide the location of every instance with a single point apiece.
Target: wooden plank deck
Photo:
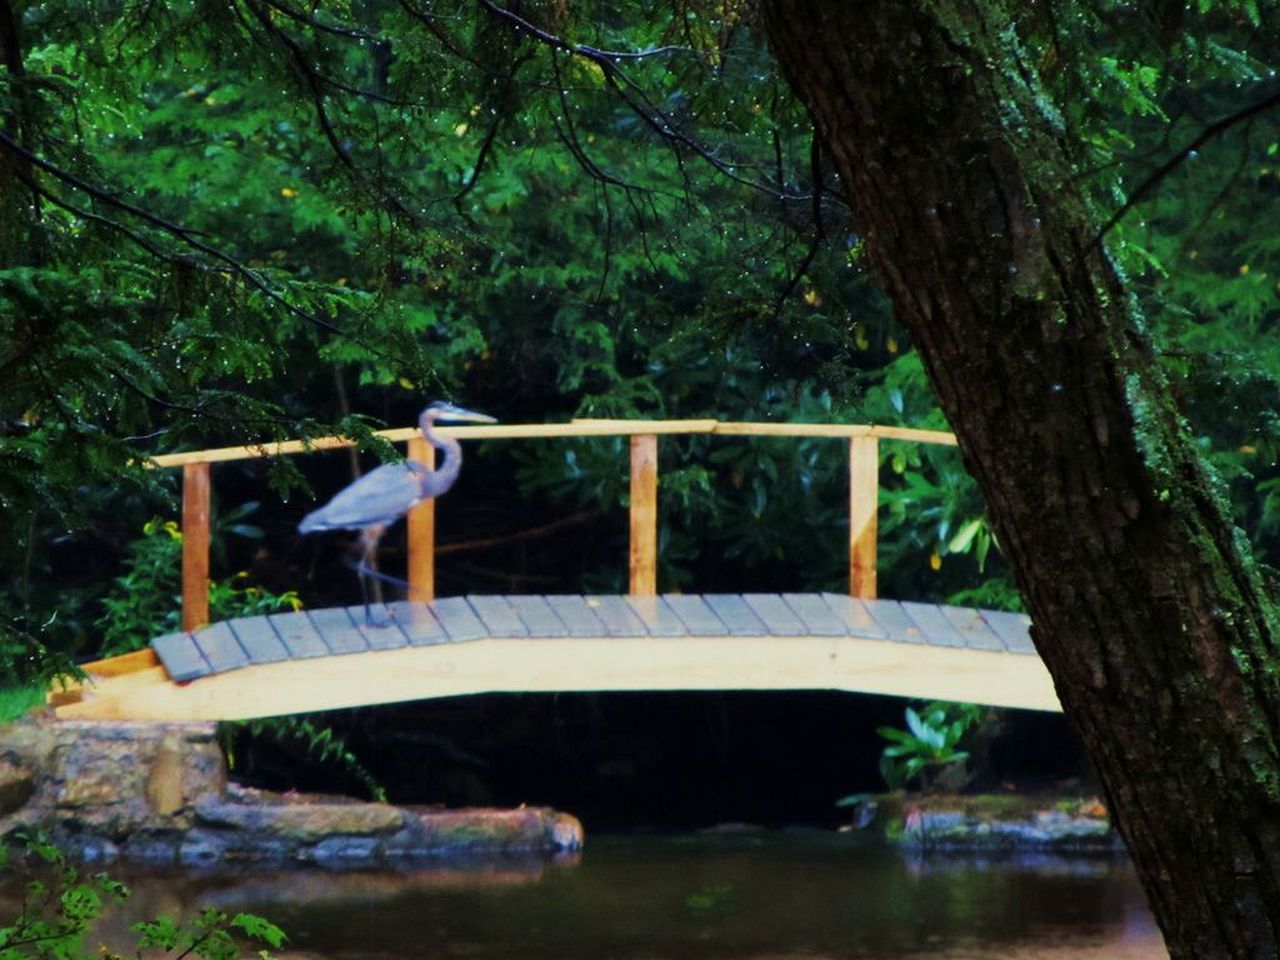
(331, 658)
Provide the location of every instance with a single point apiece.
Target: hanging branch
(446, 40)
(636, 98)
(315, 83)
(569, 137)
(1221, 196)
(490, 135)
(819, 232)
(185, 235)
(489, 139)
(347, 33)
(1172, 164)
(608, 243)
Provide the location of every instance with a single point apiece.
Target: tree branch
(819, 233)
(186, 235)
(315, 81)
(437, 31)
(1208, 133)
(636, 99)
(478, 166)
(347, 33)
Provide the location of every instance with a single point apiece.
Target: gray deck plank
(298, 634)
(577, 615)
(1012, 628)
(383, 635)
(659, 619)
(894, 621)
(220, 647)
(458, 619)
(854, 614)
(697, 617)
(736, 615)
(259, 639)
(338, 630)
(776, 615)
(254, 640)
(970, 625)
(819, 619)
(616, 614)
(181, 657)
(497, 616)
(418, 623)
(537, 616)
(937, 629)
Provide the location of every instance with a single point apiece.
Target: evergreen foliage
(238, 222)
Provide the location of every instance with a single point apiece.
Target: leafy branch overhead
(238, 222)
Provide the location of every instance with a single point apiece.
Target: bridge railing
(864, 489)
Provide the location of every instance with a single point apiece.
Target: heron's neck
(450, 451)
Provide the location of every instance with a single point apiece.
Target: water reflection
(754, 896)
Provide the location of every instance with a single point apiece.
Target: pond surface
(758, 895)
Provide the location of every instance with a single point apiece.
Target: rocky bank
(158, 793)
(995, 823)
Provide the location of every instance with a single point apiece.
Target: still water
(762, 895)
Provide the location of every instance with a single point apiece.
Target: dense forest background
(235, 222)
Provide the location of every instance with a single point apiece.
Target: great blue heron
(384, 495)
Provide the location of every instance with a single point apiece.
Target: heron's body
(382, 496)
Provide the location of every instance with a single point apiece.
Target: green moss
(16, 702)
(1149, 433)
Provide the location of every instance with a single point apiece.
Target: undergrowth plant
(319, 742)
(61, 908)
(144, 603)
(144, 600)
(931, 743)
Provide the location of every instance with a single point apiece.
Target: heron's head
(442, 410)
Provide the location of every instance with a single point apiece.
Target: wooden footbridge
(428, 647)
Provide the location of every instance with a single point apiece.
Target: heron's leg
(369, 538)
(366, 571)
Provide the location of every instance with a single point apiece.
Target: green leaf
(916, 725)
(964, 536)
(259, 929)
(161, 933)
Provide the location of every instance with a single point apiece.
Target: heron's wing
(381, 496)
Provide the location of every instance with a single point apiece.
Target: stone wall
(158, 792)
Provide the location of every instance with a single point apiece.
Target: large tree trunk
(1146, 608)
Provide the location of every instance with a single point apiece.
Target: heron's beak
(467, 416)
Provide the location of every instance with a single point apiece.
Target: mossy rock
(996, 822)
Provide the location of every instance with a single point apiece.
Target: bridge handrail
(864, 466)
(574, 428)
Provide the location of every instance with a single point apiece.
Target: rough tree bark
(1146, 608)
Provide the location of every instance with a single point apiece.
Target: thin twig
(490, 135)
(819, 233)
(531, 533)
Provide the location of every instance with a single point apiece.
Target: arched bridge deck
(330, 658)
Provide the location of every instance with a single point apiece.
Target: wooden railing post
(644, 515)
(195, 545)
(421, 551)
(864, 497)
